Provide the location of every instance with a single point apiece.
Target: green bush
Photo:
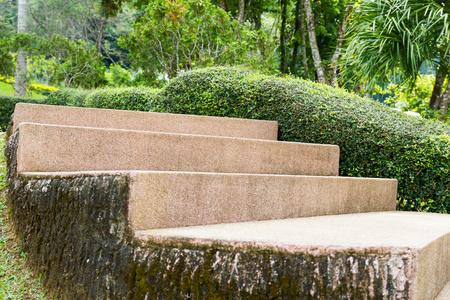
(374, 140)
(7, 105)
(67, 97)
(118, 76)
(142, 99)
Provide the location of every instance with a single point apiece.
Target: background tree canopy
(363, 46)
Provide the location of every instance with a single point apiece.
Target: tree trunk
(223, 5)
(282, 36)
(100, 35)
(296, 36)
(340, 40)
(241, 12)
(302, 26)
(445, 100)
(21, 82)
(437, 91)
(320, 70)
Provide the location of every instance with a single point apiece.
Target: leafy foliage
(395, 37)
(178, 35)
(76, 65)
(142, 99)
(67, 97)
(8, 16)
(374, 140)
(413, 99)
(6, 59)
(79, 66)
(119, 76)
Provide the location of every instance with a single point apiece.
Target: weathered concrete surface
(144, 121)
(416, 245)
(445, 293)
(176, 199)
(50, 148)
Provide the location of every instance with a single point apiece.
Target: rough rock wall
(75, 234)
(189, 272)
(74, 231)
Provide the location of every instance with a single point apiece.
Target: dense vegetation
(356, 45)
(374, 140)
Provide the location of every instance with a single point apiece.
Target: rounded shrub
(67, 97)
(374, 140)
(142, 99)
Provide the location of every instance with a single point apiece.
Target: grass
(16, 279)
(6, 89)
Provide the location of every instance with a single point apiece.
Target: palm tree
(395, 37)
(21, 82)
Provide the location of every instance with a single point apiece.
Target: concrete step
(52, 148)
(176, 199)
(144, 121)
(384, 255)
(445, 293)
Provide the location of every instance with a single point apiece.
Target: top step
(144, 121)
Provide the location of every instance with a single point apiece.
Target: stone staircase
(134, 205)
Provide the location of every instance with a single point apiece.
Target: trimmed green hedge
(374, 140)
(7, 105)
(67, 97)
(142, 99)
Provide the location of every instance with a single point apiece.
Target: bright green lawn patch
(6, 89)
(16, 280)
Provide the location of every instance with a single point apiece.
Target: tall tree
(8, 16)
(302, 26)
(340, 41)
(296, 36)
(223, 5)
(241, 12)
(320, 70)
(283, 59)
(178, 35)
(21, 80)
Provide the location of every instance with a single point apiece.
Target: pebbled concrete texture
(176, 199)
(50, 148)
(144, 121)
(445, 293)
